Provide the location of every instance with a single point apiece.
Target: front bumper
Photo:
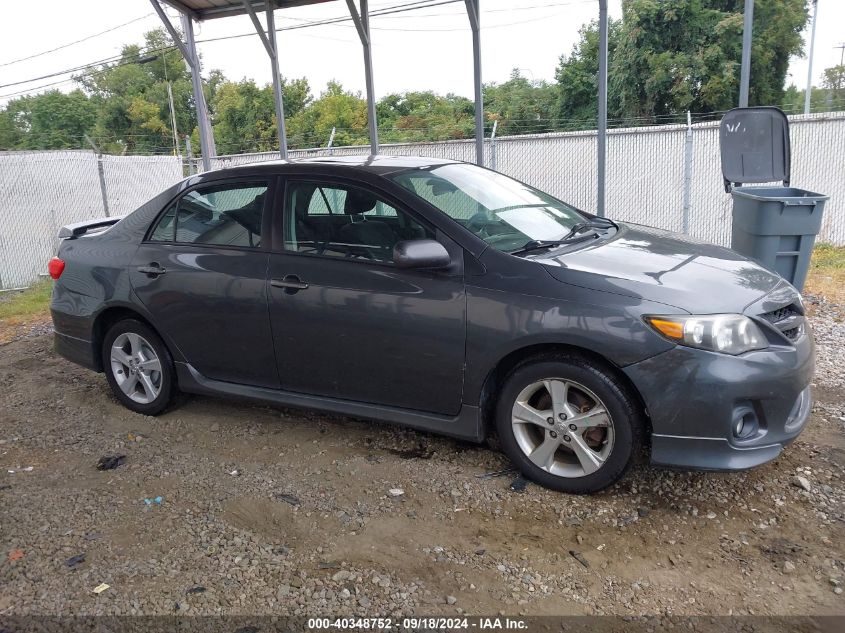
(695, 399)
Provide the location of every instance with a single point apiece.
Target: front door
(346, 322)
(202, 274)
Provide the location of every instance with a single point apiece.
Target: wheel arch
(545, 351)
(106, 318)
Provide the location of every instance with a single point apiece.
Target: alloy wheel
(136, 367)
(562, 427)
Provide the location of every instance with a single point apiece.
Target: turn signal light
(56, 267)
(669, 329)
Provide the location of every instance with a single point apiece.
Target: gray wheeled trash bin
(777, 226)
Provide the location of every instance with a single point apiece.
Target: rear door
(201, 272)
(346, 322)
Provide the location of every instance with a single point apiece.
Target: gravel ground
(275, 511)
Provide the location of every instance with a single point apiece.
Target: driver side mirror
(421, 254)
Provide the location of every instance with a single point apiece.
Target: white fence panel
(133, 180)
(42, 191)
(645, 170)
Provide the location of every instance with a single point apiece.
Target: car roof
(378, 163)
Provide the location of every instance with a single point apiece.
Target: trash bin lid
(754, 144)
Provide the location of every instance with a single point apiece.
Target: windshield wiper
(570, 238)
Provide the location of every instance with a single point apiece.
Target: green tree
(670, 56)
(576, 103)
(834, 83)
(50, 120)
(336, 108)
(793, 100)
(424, 116)
(245, 115)
(520, 106)
(133, 105)
(829, 97)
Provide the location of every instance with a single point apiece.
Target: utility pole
(100, 174)
(809, 92)
(331, 142)
(173, 120)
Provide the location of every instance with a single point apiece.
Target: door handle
(153, 270)
(290, 283)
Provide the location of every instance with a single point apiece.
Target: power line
(409, 6)
(76, 69)
(69, 44)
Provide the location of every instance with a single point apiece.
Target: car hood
(670, 268)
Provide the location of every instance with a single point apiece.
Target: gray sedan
(445, 297)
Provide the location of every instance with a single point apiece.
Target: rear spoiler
(78, 229)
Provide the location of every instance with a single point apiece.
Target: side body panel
(367, 331)
(212, 302)
(515, 304)
(370, 333)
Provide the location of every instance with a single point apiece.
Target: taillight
(56, 267)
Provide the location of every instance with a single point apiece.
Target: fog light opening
(745, 424)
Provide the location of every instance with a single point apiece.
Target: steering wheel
(478, 224)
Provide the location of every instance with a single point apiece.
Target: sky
(426, 49)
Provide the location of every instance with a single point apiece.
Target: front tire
(568, 423)
(138, 367)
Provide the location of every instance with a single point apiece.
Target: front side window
(503, 212)
(219, 215)
(345, 221)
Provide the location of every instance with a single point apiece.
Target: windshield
(503, 212)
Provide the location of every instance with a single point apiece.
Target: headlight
(726, 333)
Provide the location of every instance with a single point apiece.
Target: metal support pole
(331, 142)
(190, 155)
(173, 119)
(206, 134)
(493, 145)
(177, 38)
(277, 81)
(687, 175)
(474, 13)
(602, 123)
(809, 93)
(272, 48)
(745, 73)
(189, 52)
(362, 24)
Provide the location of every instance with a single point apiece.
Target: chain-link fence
(665, 176)
(668, 176)
(42, 191)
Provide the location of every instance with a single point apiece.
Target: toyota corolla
(445, 297)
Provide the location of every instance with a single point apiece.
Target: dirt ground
(279, 511)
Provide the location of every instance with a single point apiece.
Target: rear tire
(138, 367)
(568, 423)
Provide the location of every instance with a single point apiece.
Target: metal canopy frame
(268, 38)
(198, 10)
(189, 52)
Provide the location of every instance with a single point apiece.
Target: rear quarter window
(218, 215)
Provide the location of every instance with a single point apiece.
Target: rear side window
(219, 215)
(166, 227)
